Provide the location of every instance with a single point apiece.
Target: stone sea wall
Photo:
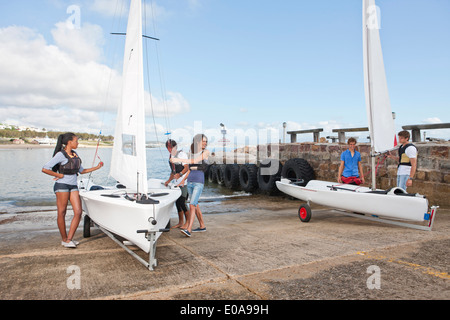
(432, 178)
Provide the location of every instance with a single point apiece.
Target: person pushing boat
(180, 173)
(64, 167)
(198, 165)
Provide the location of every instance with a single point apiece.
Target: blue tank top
(197, 175)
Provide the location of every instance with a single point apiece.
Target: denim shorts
(401, 181)
(62, 187)
(195, 190)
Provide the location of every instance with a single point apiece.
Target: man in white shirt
(179, 173)
(407, 161)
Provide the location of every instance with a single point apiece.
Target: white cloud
(36, 74)
(45, 85)
(82, 44)
(174, 104)
(61, 119)
(432, 120)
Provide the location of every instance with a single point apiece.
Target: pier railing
(341, 138)
(341, 132)
(415, 129)
(315, 132)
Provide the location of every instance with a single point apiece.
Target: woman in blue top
(350, 170)
(64, 167)
(196, 179)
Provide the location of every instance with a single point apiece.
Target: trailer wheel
(87, 227)
(304, 213)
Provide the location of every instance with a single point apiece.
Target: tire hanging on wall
(298, 169)
(248, 177)
(231, 176)
(220, 174)
(212, 173)
(267, 181)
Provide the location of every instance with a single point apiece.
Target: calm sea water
(24, 188)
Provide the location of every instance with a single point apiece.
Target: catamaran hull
(358, 199)
(124, 217)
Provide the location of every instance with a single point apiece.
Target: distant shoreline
(41, 146)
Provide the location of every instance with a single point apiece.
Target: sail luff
(128, 163)
(379, 114)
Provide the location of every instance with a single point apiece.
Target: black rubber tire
(231, 177)
(212, 175)
(304, 213)
(220, 174)
(206, 173)
(298, 169)
(86, 226)
(248, 177)
(267, 183)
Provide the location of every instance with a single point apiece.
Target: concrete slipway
(262, 252)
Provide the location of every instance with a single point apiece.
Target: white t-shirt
(411, 152)
(180, 155)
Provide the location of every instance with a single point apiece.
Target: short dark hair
(171, 143)
(405, 134)
(351, 140)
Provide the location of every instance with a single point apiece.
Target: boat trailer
(150, 235)
(305, 213)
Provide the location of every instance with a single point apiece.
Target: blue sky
(249, 64)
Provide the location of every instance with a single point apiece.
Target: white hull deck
(111, 210)
(392, 204)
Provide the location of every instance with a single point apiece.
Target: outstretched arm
(92, 169)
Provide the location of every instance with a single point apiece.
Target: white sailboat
(140, 211)
(395, 203)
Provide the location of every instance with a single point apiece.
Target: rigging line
(108, 85)
(160, 72)
(149, 85)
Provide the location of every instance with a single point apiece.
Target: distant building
(18, 141)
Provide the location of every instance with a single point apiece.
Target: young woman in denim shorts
(64, 167)
(196, 180)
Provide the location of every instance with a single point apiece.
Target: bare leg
(199, 215)
(62, 199)
(192, 213)
(77, 211)
(187, 214)
(180, 220)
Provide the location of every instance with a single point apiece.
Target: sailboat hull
(111, 210)
(394, 204)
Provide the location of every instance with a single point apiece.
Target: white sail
(128, 163)
(381, 123)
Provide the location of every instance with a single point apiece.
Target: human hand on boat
(100, 165)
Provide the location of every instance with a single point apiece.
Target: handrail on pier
(415, 129)
(315, 132)
(341, 132)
